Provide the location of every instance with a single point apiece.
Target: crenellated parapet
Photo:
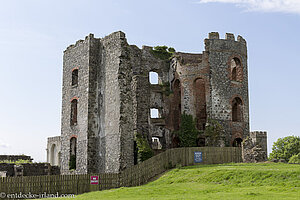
(228, 37)
(229, 43)
(258, 134)
(259, 138)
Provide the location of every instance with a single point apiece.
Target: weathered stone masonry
(107, 98)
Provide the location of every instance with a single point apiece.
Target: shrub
(295, 159)
(285, 148)
(144, 150)
(187, 132)
(18, 162)
(163, 52)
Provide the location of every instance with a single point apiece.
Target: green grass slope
(226, 181)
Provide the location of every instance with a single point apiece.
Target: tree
(295, 159)
(187, 132)
(285, 148)
(144, 150)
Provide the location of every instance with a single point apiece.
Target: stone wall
(8, 168)
(29, 169)
(75, 57)
(104, 130)
(254, 147)
(54, 151)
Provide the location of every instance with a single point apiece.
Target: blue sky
(34, 33)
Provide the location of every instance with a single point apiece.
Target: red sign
(94, 180)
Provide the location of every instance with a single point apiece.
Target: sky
(34, 34)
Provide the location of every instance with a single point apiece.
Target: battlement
(256, 134)
(228, 36)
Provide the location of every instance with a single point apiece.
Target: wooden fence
(133, 176)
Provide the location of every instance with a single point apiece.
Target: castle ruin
(107, 98)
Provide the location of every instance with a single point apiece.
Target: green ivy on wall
(213, 132)
(187, 132)
(144, 150)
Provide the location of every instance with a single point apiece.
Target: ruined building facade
(107, 98)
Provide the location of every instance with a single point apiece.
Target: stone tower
(108, 98)
(97, 106)
(229, 101)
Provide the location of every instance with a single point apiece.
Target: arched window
(74, 112)
(200, 102)
(237, 110)
(153, 78)
(73, 147)
(237, 142)
(177, 104)
(75, 77)
(233, 74)
(236, 70)
(53, 152)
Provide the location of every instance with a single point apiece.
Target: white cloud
(286, 6)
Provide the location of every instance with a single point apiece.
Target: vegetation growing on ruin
(187, 132)
(18, 162)
(285, 148)
(144, 150)
(213, 132)
(163, 52)
(240, 181)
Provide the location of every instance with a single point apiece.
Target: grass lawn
(226, 181)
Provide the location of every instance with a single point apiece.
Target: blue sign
(197, 156)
